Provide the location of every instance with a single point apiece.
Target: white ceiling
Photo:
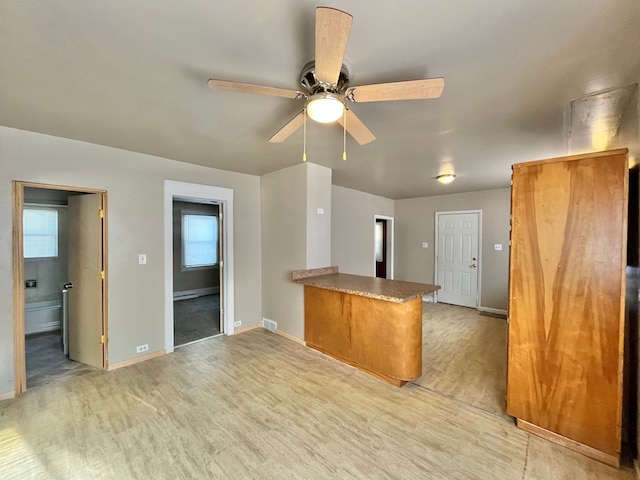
(133, 74)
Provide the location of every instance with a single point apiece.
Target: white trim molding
(7, 396)
(495, 311)
(207, 193)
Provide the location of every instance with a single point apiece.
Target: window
(199, 240)
(40, 232)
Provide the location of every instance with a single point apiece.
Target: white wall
(283, 196)
(353, 229)
(318, 225)
(415, 224)
(135, 185)
(294, 237)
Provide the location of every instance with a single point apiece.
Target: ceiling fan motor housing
(309, 81)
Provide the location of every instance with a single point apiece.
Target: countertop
(396, 291)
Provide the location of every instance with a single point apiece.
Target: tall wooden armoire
(567, 300)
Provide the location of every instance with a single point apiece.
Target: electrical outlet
(237, 324)
(30, 283)
(142, 348)
(497, 247)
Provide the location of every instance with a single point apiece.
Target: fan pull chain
(344, 136)
(304, 141)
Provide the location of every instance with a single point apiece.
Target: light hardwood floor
(464, 356)
(257, 405)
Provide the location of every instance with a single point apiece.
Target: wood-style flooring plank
(259, 406)
(464, 356)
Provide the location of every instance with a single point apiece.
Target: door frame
(435, 253)
(390, 244)
(19, 352)
(223, 196)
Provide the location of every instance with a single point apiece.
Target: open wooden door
(86, 321)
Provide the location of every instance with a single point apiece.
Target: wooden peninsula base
(382, 338)
(373, 324)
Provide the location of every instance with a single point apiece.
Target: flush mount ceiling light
(325, 107)
(446, 178)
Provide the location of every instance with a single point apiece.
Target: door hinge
(221, 216)
(102, 275)
(101, 339)
(101, 213)
(221, 263)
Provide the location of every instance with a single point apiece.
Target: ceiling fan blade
(285, 132)
(357, 129)
(332, 32)
(250, 88)
(410, 90)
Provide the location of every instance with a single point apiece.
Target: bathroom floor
(46, 361)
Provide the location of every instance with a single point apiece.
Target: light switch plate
(425, 244)
(320, 211)
(142, 259)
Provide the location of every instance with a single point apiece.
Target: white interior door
(85, 267)
(457, 258)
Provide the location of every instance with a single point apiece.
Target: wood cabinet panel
(380, 337)
(327, 320)
(566, 297)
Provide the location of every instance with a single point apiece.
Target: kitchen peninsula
(374, 324)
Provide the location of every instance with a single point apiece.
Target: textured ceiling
(133, 75)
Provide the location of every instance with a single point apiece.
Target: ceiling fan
(326, 82)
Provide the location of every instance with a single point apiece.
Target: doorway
(199, 194)
(59, 239)
(464, 349)
(197, 271)
(458, 262)
(383, 246)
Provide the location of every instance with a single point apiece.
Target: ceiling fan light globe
(325, 108)
(446, 178)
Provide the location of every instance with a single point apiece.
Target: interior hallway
(257, 405)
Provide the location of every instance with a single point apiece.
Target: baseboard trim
(586, 450)
(497, 311)
(7, 396)
(198, 292)
(134, 360)
(42, 327)
(288, 336)
(246, 329)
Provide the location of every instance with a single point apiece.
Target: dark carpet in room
(195, 319)
(46, 361)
